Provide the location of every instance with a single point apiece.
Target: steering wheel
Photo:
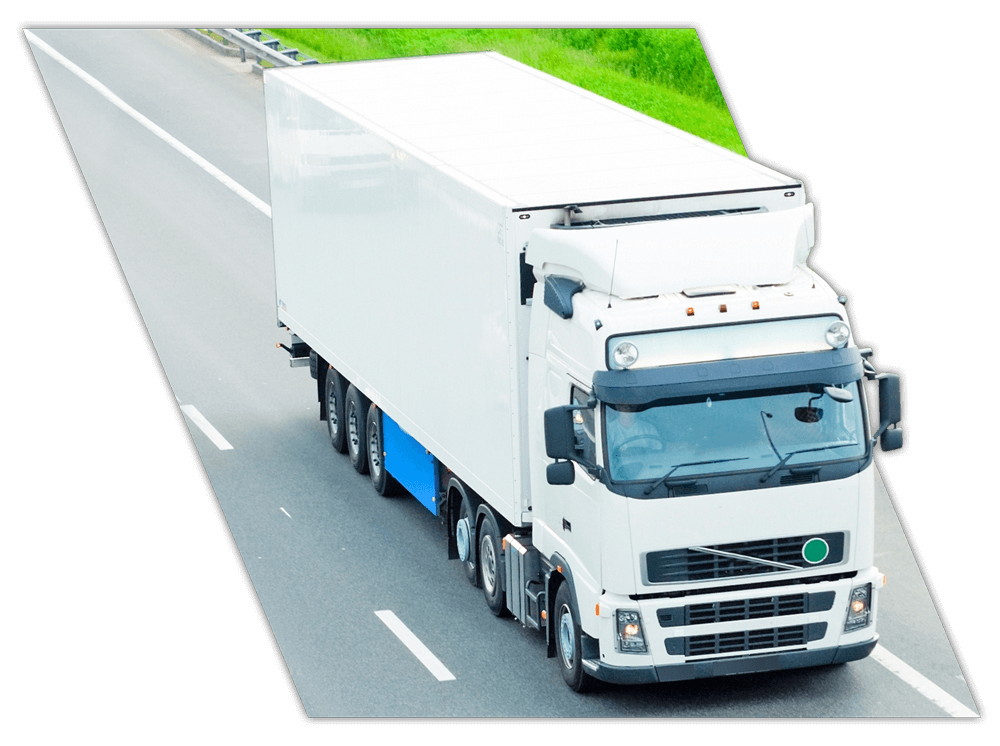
(617, 449)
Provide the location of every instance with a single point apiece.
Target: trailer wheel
(469, 563)
(382, 480)
(335, 410)
(355, 411)
(568, 646)
(491, 565)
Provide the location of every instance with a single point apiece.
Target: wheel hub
(462, 538)
(352, 430)
(489, 562)
(374, 456)
(566, 637)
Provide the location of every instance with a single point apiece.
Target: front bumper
(728, 666)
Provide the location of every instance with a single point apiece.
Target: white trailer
(591, 344)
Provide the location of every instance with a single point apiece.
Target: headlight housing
(625, 355)
(629, 635)
(838, 335)
(859, 608)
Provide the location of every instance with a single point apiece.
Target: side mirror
(890, 411)
(892, 439)
(563, 472)
(561, 443)
(889, 407)
(560, 437)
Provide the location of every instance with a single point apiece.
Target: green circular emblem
(815, 551)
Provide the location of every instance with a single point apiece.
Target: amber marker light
(755, 305)
(690, 312)
(722, 308)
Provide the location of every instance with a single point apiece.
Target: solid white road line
(929, 689)
(416, 647)
(206, 427)
(169, 139)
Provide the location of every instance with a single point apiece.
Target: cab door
(571, 512)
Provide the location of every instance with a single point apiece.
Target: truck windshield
(764, 430)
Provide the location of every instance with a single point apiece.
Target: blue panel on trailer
(410, 463)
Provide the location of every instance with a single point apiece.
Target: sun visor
(830, 367)
(668, 256)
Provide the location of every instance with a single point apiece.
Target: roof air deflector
(559, 292)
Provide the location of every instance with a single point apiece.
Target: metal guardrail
(263, 47)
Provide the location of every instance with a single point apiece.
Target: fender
(558, 568)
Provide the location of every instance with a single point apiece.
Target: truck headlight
(625, 354)
(859, 608)
(838, 335)
(630, 637)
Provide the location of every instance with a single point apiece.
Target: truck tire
(335, 410)
(491, 568)
(382, 480)
(355, 418)
(469, 565)
(568, 645)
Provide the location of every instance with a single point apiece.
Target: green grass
(663, 73)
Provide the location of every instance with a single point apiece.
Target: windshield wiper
(784, 459)
(665, 477)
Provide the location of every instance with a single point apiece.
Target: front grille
(693, 563)
(743, 609)
(727, 611)
(747, 640)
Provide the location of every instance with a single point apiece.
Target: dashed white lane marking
(416, 647)
(284, 511)
(925, 686)
(206, 427)
(155, 129)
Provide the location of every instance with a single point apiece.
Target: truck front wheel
(355, 415)
(568, 645)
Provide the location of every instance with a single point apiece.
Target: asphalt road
(324, 552)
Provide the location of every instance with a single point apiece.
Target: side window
(583, 424)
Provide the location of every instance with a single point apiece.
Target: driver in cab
(629, 434)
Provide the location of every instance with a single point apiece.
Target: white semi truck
(591, 344)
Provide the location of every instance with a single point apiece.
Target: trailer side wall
(398, 276)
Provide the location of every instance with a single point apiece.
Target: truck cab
(710, 508)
